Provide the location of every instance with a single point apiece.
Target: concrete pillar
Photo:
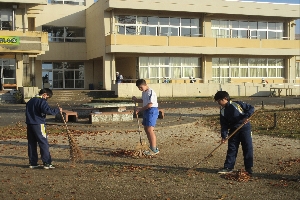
(32, 72)
(19, 70)
(108, 69)
(292, 69)
(208, 69)
(292, 25)
(38, 74)
(207, 26)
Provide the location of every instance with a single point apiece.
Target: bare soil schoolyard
(109, 170)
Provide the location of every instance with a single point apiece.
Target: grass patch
(287, 123)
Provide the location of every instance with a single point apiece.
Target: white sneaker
(48, 166)
(33, 166)
(150, 152)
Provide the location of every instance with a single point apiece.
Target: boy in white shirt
(150, 114)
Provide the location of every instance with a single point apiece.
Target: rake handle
(63, 118)
(138, 121)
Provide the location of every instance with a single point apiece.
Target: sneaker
(224, 171)
(48, 166)
(150, 152)
(33, 166)
(249, 170)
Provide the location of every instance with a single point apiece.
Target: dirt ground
(107, 173)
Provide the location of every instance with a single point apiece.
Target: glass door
(8, 71)
(63, 75)
(47, 79)
(58, 79)
(1, 76)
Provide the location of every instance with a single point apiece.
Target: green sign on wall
(12, 40)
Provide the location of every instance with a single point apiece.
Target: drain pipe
(14, 17)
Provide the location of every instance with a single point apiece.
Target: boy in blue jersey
(36, 110)
(150, 114)
(232, 115)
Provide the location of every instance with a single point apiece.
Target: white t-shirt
(149, 96)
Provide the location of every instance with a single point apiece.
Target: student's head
(141, 84)
(46, 93)
(222, 97)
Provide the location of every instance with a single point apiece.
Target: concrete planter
(28, 92)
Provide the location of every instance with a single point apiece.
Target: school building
(79, 44)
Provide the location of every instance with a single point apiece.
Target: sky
(286, 1)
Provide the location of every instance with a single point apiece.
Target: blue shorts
(150, 116)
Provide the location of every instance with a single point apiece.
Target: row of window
(169, 67)
(247, 68)
(157, 26)
(247, 29)
(260, 62)
(69, 2)
(185, 67)
(64, 34)
(176, 26)
(171, 26)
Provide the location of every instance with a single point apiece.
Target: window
(246, 29)
(157, 26)
(169, 67)
(226, 68)
(8, 71)
(70, 2)
(65, 34)
(298, 69)
(5, 19)
(65, 74)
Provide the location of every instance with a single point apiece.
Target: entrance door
(58, 79)
(8, 71)
(63, 75)
(47, 79)
(1, 77)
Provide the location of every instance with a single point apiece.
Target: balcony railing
(33, 42)
(177, 41)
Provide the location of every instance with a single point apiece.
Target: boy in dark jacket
(36, 110)
(232, 115)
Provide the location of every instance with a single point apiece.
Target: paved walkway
(11, 114)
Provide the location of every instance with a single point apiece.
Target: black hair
(47, 91)
(140, 82)
(221, 95)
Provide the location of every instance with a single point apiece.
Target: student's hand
(223, 141)
(137, 111)
(134, 98)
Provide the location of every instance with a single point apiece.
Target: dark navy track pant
(36, 134)
(244, 137)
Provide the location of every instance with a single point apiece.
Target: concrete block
(29, 92)
(68, 116)
(126, 89)
(179, 89)
(165, 90)
(110, 117)
(85, 112)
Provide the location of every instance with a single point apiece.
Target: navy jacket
(233, 115)
(36, 110)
